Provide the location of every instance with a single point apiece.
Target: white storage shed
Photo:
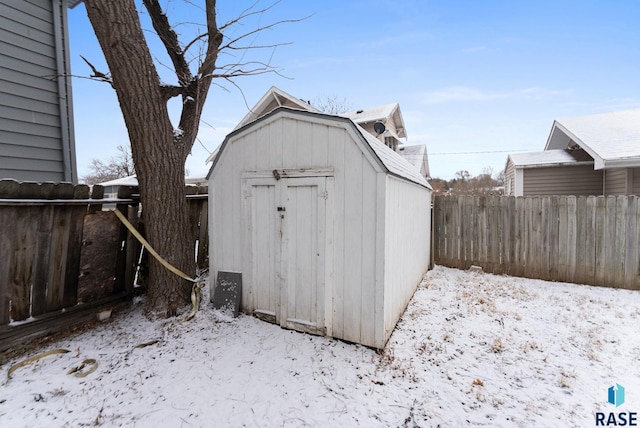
(328, 226)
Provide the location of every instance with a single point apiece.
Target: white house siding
(566, 180)
(389, 124)
(36, 133)
(355, 217)
(615, 181)
(407, 247)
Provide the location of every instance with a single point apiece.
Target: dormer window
(392, 143)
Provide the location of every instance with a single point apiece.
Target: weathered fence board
(590, 240)
(41, 237)
(632, 243)
(98, 256)
(6, 251)
(61, 253)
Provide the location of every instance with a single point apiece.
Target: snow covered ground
(471, 349)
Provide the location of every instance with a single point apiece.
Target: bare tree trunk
(158, 154)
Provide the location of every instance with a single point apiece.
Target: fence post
(124, 270)
(631, 253)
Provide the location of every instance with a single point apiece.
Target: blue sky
(474, 79)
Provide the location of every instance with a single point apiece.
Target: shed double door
(285, 226)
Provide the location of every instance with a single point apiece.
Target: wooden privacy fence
(587, 240)
(198, 198)
(62, 258)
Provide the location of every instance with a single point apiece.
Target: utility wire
(475, 153)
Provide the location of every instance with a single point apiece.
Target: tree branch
(194, 41)
(215, 40)
(98, 75)
(170, 40)
(229, 45)
(170, 91)
(248, 13)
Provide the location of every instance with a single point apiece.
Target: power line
(475, 153)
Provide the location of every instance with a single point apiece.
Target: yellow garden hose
(197, 284)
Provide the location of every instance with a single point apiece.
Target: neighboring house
(321, 226)
(387, 125)
(36, 114)
(111, 187)
(270, 101)
(586, 155)
(417, 156)
(384, 122)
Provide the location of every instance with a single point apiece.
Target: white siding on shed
(368, 221)
(406, 242)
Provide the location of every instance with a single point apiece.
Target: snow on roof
(272, 99)
(550, 157)
(371, 114)
(275, 97)
(610, 138)
(413, 154)
(195, 180)
(379, 113)
(131, 180)
(394, 163)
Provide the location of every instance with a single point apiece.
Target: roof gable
(612, 139)
(417, 156)
(390, 161)
(550, 158)
(381, 113)
(270, 101)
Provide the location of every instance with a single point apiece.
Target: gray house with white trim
(587, 155)
(36, 114)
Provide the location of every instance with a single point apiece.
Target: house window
(392, 143)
